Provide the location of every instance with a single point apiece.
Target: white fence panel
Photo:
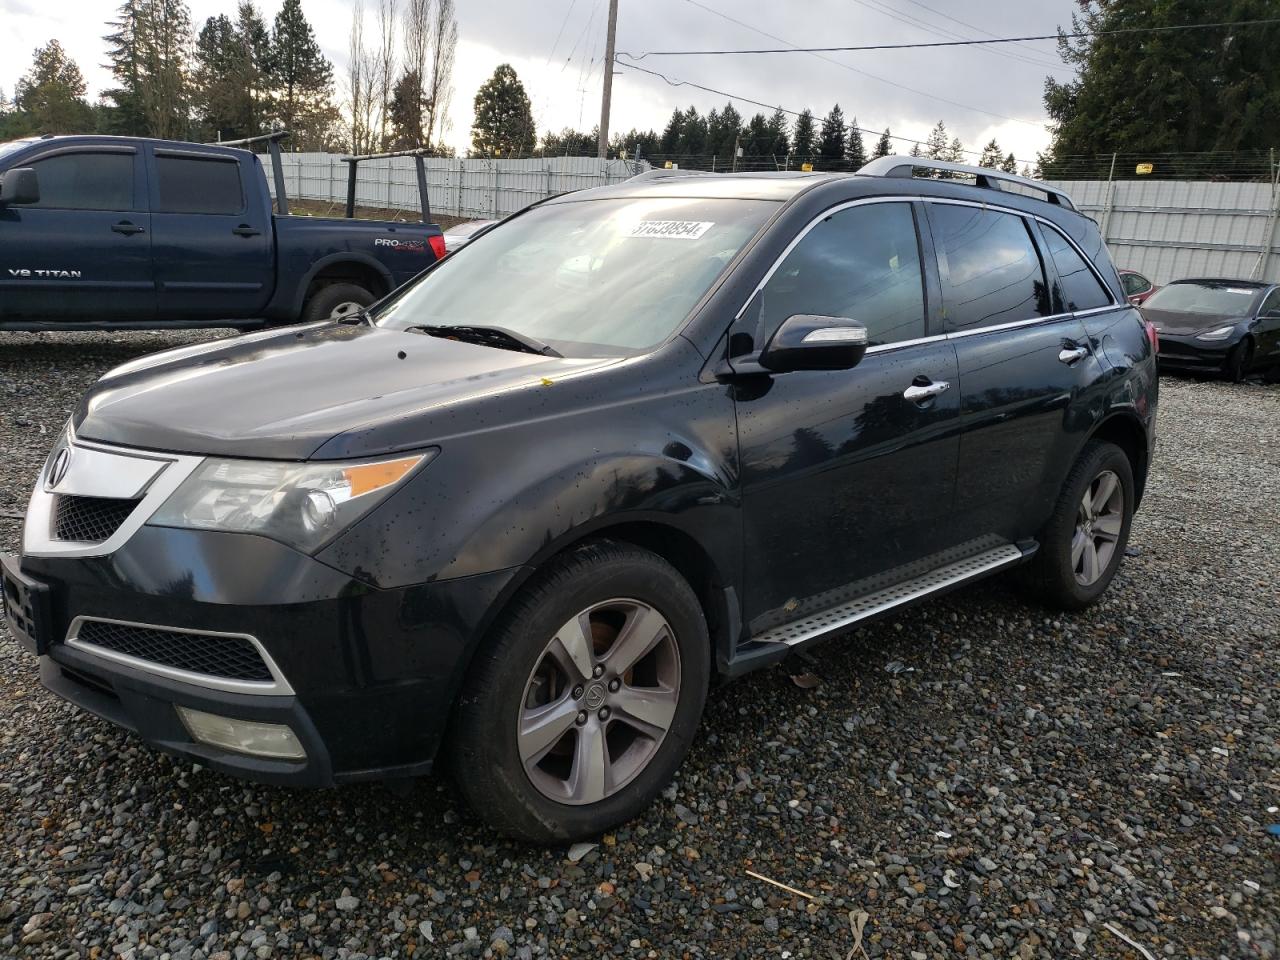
(473, 189)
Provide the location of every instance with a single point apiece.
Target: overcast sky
(556, 46)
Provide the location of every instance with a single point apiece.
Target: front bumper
(370, 675)
(1188, 353)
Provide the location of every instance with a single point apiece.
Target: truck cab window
(198, 185)
(85, 181)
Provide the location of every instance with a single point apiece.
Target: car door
(843, 474)
(212, 244)
(83, 251)
(1267, 331)
(1025, 363)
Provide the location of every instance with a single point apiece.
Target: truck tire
(586, 696)
(327, 299)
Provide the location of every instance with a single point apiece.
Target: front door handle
(1072, 354)
(127, 228)
(920, 392)
(244, 230)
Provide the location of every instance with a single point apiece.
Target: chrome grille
(89, 519)
(231, 658)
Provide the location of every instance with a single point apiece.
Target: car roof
(1225, 281)
(782, 185)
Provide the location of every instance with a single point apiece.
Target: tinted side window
(86, 181)
(862, 263)
(192, 185)
(1134, 283)
(1077, 287)
(1272, 303)
(991, 272)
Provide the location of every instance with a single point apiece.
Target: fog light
(243, 736)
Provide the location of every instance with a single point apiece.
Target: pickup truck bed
(131, 232)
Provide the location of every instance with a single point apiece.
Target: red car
(1136, 287)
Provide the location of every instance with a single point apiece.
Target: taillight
(1151, 334)
(437, 246)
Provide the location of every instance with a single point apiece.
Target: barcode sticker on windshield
(671, 229)
(1244, 290)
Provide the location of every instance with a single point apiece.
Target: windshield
(1219, 299)
(589, 278)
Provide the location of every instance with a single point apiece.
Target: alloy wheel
(1099, 522)
(599, 701)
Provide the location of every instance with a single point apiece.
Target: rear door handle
(1070, 354)
(920, 392)
(127, 228)
(244, 230)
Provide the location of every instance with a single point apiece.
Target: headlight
(301, 504)
(1218, 333)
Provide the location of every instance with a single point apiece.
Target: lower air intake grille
(231, 658)
(89, 519)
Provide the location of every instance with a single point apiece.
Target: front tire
(1238, 361)
(1084, 541)
(587, 697)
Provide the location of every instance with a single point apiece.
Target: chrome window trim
(277, 686)
(899, 344)
(38, 539)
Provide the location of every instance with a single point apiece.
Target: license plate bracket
(25, 606)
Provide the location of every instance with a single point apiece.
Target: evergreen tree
(50, 98)
(915, 150)
(991, 155)
(955, 152)
(779, 142)
(670, 141)
(883, 147)
(124, 112)
(693, 134)
(804, 140)
(408, 107)
(162, 45)
(503, 118)
(756, 139)
(301, 80)
(936, 146)
(1181, 90)
(230, 73)
(855, 151)
(1010, 165)
(831, 141)
(723, 132)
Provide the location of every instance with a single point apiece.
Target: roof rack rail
(898, 166)
(661, 173)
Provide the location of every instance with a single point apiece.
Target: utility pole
(603, 148)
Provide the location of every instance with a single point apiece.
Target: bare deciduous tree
(439, 83)
(361, 85)
(384, 77)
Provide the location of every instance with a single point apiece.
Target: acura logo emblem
(60, 464)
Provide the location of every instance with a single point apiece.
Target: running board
(881, 601)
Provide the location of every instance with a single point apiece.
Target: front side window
(991, 272)
(1271, 304)
(590, 278)
(1077, 287)
(85, 181)
(197, 185)
(862, 263)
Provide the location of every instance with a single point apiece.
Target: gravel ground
(1007, 788)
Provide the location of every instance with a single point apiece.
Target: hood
(1180, 323)
(285, 394)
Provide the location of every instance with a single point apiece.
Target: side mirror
(19, 185)
(808, 342)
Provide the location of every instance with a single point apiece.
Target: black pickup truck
(125, 232)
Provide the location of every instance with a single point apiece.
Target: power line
(954, 43)
(852, 69)
(676, 82)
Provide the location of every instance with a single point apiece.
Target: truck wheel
(334, 300)
(587, 697)
(1083, 542)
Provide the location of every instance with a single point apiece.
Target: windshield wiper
(500, 337)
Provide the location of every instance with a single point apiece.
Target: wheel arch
(344, 267)
(1124, 429)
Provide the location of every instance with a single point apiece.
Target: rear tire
(558, 734)
(1238, 361)
(329, 298)
(1084, 541)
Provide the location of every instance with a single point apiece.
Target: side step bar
(775, 644)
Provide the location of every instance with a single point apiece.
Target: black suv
(624, 443)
